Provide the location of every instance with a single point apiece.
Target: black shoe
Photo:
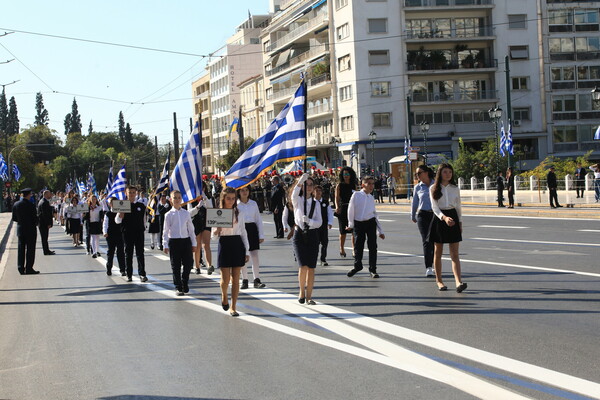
(197, 271)
(178, 292)
(211, 269)
(143, 278)
(160, 248)
(186, 288)
(301, 300)
(151, 247)
(559, 206)
(234, 314)
(258, 284)
(94, 255)
(98, 254)
(244, 284)
(123, 273)
(21, 271)
(374, 275)
(325, 263)
(461, 287)
(311, 302)
(225, 306)
(50, 253)
(443, 288)
(353, 271)
(108, 272)
(31, 272)
(552, 207)
(129, 279)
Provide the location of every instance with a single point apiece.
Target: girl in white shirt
(254, 230)
(447, 226)
(232, 251)
(95, 229)
(74, 221)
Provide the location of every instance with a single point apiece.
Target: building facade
(202, 111)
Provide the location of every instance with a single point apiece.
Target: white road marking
(502, 227)
(387, 220)
(535, 251)
(588, 230)
(538, 242)
(502, 216)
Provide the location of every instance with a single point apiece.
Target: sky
(148, 86)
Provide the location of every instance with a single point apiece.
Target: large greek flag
(187, 175)
(3, 168)
(284, 140)
(502, 139)
(162, 186)
(110, 179)
(597, 134)
(16, 172)
(118, 187)
(509, 141)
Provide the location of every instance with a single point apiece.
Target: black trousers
(180, 252)
(88, 247)
(134, 241)
(44, 235)
(553, 197)
(365, 230)
(511, 197)
(278, 223)
(115, 243)
(500, 197)
(26, 252)
(424, 219)
(323, 241)
(580, 187)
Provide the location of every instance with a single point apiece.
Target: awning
(318, 3)
(283, 58)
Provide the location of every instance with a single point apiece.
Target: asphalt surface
(527, 326)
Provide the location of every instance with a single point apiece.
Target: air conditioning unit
(516, 122)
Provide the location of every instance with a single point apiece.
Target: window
(382, 119)
(340, 3)
(562, 73)
(591, 72)
(520, 83)
(266, 45)
(586, 16)
(270, 116)
(565, 134)
(521, 114)
(343, 31)
(379, 57)
(347, 123)
(561, 45)
(346, 93)
(344, 63)
(518, 21)
(378, 25)
(587, 44)
(560, 17)
(380, 89)
(519, 52)
(563, 103)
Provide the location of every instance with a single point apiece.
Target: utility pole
(175, 137)
(508, 102)
(155, 159)
(409, 134)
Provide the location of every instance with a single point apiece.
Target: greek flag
(284, 140)
(91, 183)
(352, 154)
(117, 189)
(16, 172)
(110, 180)
(162, 186)
(597, 134)
(80, 187)
(406, 145)
(509, 141)
(502, 139)
(187, 175)
(68, 187)
(3, 168)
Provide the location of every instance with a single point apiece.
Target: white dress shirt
(298, 202)
(362, 208)
(178, 225)
(251, 214)
(284, 218)
(239, 228)
(450, 199)
(95, 214)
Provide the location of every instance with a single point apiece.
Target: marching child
(254, 230)
(327, 217)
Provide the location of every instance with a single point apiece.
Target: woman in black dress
(510, 186)
(346, 186)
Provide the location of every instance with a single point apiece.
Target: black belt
(426, 211)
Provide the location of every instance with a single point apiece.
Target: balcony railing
(286, 92)
(294, 34)
(463, 95)
(450, 33)
(428, 65)
(320, 109)
(298, 59)
(445, 3)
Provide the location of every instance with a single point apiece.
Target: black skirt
(231, 251)
(306, 247)
(154, 227)
(73, 226)
(253, 239)
(95, 228)
(343, 219)
(442, 233)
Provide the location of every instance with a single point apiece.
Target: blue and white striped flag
(284, 140)
(81, 188)
(163, 185)
(352, 154)
(406, 146)
(16, 172)
(109, 181)
(187, 175)
(3, 168)
(117, 189)
(509, 141)
(597, 134)
(502, 139)
(91, 183)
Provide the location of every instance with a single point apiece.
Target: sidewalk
(6, 225)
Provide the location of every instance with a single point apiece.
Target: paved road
(527, 327)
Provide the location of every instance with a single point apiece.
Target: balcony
(462, 96)
(320, 109)
(299, 59)
(433, 35)
(445, 65)
(446, 3)
(319, 18)
(285, 93)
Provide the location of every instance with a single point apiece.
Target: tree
(3, 111)
(128, 136)
(67, 124)
(233, 154)
(41, 116)
(75, 118)
(12, 126)
(90, 128)
(121, 127)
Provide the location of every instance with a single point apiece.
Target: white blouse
(450, 199)
(239, 228)
(251, 215)
(95, 214)
(298, 203)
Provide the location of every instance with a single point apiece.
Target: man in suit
(44, 212)
(24, 214)
(552, 187)
(277, 198)
(500, 189)
(132, 228)
(580, 174)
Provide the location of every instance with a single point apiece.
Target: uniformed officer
(44, 210)
(24, 214)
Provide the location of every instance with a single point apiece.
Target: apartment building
(252, 96)
(571, 70)
(201, 95)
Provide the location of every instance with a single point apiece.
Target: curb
(3, 243)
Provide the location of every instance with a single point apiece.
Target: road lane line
(502, 216)
(537, 242)
(502, 227)
(588, 230)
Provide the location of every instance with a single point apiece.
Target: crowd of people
(303, 209)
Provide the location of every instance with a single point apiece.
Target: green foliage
(41, 114)
(480, 163)
(12, 123)
(562, 166)
(128, 137)
(67, 124)
(90, 128)
(75, 118)
(121, 127)
(3, 111)
(232, 155)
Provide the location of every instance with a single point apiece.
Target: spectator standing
(422, 214)
(552, 188)
(500, 189)
(580, 174)
(510, 187)
(45, 221)
(277, 203)
(24, 214)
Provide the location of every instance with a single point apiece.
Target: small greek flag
(110, 180)
(406, 146)
(187, 175)
(117, 189)
(3, 168)
(234, 127)
(502, 139)
(597, 134)
(91, 183)
(162, 186)
(509, 141)
(16, 172)
(352, 154)
(284, 140)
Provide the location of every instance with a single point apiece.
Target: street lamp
(596, 94)
(373, 136)
(425, 130)
(335, 141)
(495, 116)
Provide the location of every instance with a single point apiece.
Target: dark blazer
(500, 183)
(510, 183)
(580, 174)
(25, 215)
(551, 180)
(44, 210)
(133, 223)
(277, 196)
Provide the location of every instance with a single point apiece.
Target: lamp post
(335, 141)
(373, 136)
(425, 130)
(495, 115)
